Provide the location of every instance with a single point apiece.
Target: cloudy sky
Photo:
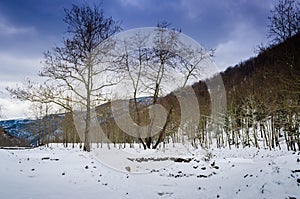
(30, 27)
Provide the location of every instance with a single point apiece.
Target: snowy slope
(58, 172)
(20, 128)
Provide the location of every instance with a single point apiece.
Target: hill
(263, 95)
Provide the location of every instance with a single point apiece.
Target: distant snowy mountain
(30, 130)
(21, 128)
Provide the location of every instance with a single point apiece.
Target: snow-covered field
(58, 172)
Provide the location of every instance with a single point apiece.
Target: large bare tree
(77, 71)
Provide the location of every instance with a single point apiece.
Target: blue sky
(29, 27)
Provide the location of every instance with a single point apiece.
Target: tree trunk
(162, 132)
(87, 141)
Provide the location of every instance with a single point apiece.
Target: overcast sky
(30, 27)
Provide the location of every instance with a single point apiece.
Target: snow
(58, 172)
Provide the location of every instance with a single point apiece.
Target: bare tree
(79, 67)
(154, 63)
(133, 62)
(284, 21)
